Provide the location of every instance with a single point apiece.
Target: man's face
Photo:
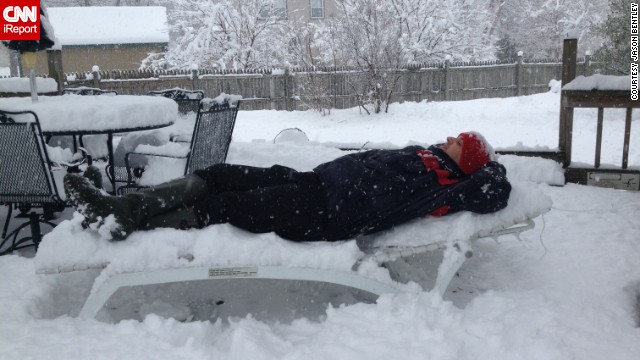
(453, 148)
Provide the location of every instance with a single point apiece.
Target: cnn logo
(20, 20)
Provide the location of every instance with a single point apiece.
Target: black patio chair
(188, 100)
(209, 144)
(26, 179)
(84, 90)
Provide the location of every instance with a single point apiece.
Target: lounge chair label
(620, 181)
(232, 272)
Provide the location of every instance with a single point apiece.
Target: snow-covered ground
(564, 290)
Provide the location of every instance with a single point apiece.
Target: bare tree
(224, 34)
(304, 52)
(380, 37)
(366, 37)
(434, 29)
(539, 26)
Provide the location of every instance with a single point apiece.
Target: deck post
(569, 58)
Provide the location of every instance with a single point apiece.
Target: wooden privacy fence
(340, 88)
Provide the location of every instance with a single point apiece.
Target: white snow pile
(221, 99)
(17, 85)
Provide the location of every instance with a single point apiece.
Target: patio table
(84, 115)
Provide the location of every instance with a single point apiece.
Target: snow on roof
(599, 82)
(101, 25)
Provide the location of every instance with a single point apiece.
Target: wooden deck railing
(621, 177)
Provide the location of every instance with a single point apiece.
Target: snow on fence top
(104, 25)
(599, 82)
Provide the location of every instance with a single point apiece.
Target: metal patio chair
(84, 90)
(188, 100)
(209, 144)
(26, 179)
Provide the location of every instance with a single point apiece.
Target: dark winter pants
(276, 199)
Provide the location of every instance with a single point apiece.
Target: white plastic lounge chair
(223, 271)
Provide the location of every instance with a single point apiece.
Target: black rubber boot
(93, 174)
(181, 218)
(132, 211)
(169, 204)
(97, 206)
(181, 192)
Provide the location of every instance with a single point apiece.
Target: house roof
(105, 25)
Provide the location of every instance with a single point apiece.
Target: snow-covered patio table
(84, 115)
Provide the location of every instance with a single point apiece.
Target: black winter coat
(375, 190)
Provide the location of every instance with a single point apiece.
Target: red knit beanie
(475, 152)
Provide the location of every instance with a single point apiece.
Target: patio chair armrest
(174, 156)
(78, 160)
(180, 139)
(171, 149)
(131, 170)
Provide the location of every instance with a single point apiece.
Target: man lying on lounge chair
(355, 194)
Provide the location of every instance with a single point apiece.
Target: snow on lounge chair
(222, 271)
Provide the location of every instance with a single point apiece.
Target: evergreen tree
(506, 49)
(614, 54)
